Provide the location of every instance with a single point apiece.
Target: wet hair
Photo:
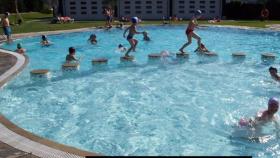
(120, 45)
(19, 46)
(71, 50)
(92, 36)
(272, 68)
(44, 38)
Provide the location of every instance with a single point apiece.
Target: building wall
(84, 9)
(186, 8)
(144, 9)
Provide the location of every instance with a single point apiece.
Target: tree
(18, 16)
(54, 5)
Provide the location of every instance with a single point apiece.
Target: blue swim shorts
(7, 31)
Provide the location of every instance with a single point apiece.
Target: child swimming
(190, 31)
(146, 37)
(132, 31)
(19, 49)
(71, 56)
(121, 48)
(263, 116)
(45, 41)
(92, 39)
(273, 73)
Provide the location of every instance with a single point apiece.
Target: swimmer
(19, 49)
(146, 37)
(71, 56)
(132, 31)
(45, 41)
(121, 48)
(202, 49)
(92, 39)
(273, 73)
(263, 116)
(190, 31)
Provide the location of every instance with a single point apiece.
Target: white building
(185, 8)
(84, 9)
(145, 9)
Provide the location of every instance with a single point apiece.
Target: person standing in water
(132, 31)
(190, 31)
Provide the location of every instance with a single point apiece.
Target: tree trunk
(19, 19)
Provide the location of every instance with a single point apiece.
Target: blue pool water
(169, 107)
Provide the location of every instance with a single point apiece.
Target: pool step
(182, 55)
(238, 55)
(70, 66)
(270, 56)
(154, 56)
(99, 61)
(124, 58)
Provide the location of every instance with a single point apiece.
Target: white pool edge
(23, 140)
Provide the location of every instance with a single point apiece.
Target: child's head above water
(145, 33)
(134, 20)
(93, 36)
(19, 46)
(120, 45)
(272, 69)
(273, 105)
(72, 50)
(44, 37)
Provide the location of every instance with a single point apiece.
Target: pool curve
(21, 139)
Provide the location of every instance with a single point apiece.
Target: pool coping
(21, 139)
(32, 34)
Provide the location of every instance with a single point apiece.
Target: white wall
(186, 8)
(144, 9)
(84, 9)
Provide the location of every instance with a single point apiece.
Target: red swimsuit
(188, 31)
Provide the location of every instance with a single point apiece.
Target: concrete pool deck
(17, 142)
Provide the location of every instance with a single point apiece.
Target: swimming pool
(170, 107)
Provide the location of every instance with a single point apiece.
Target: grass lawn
(36, 22)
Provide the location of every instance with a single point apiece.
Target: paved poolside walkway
(6, 62)
(6, 151)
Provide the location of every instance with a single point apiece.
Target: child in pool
(121, 48)
(273, 73)
(146, 37)
(19, 49)
(92, 39)
(132, 31)
(45, 41)
(71, 56)
(263, 116)
(190, 32)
